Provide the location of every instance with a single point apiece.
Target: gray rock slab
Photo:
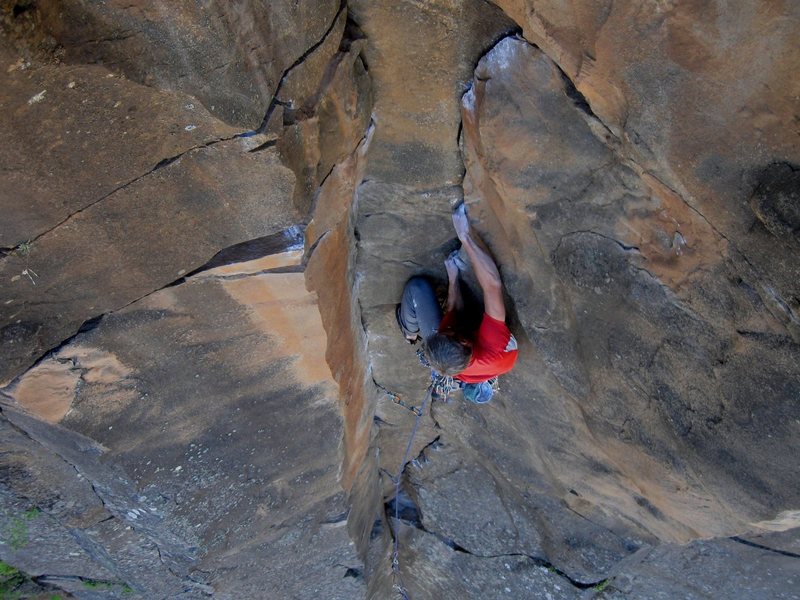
(92, 518)
(238, 454)
(469, 493)
(233, 65)
(719, 569)
(37, 520)
(137, 240)
(783, 541)
(433, 569)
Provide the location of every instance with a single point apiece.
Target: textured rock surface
(635, 175)
(702, 96)
(181, 214)
(96, 130)
(193, 439)
(325, 108)
(231, 57)
(622, 301)
(95, 238)
(622, 424)
(707, 569)
(208, 395)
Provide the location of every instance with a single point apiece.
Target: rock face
(231, 57)
(622, 302)
(209, 213)
(198, 393)
(629, 419)
(179, 434)
(702, 97)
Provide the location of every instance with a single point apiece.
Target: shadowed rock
(776, 200)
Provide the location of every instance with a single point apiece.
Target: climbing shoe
(478, 393)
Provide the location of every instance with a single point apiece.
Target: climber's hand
(451, 266)
(460, 222)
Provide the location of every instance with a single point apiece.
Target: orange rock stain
(282, 308)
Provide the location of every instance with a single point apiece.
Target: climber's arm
(454, 299)
(485, 270)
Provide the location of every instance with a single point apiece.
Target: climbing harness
(443, 385)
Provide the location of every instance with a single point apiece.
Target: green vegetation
(99, 584)
(23, 249)
(14, 583)
(31, 513)
(602, 585)
(10, 580)
(96, 584)
(17, 534)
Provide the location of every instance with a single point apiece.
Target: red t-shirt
(494, 349)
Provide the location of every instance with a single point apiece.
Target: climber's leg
(419, 313)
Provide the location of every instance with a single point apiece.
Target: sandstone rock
(213, 449)
(104, 258)
(700, 95)
(73, 135)
(635, 179)
(48, 390)
(302, 84)
(233, 64)
(417, 91)
(403, 224)
(621, 301)
(330, 250)
(325, 120)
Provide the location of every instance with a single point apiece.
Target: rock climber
(473, 359)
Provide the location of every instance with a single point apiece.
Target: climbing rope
(397, 480)
(440, 388)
